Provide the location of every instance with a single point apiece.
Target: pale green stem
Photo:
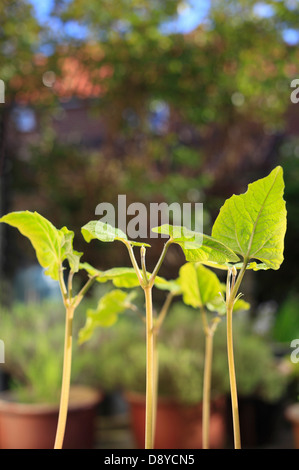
(207, 389)
(232, 292)
(151, 370)
(160, 261)
(70, 306)
(156, 330)
(232, 378)
(156, 384)
(133, 261)
(66, 378)
(149, 412)
(163, 312)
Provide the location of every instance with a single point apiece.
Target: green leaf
(126, 277)
(253, 224)
(199, 284)
(198, 247)
(121, 277)
(72, 256)
(104, 232)
(45, 238)
(171, 286)
(182, 235)
(106, 312)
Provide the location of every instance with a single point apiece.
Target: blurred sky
(190, 15)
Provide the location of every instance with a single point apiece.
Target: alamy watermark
(295, 354)
(295, 93)
(2, 352)
(137, 220)
(2, 91)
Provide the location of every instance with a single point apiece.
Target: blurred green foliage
(33, 336)
(181, 359)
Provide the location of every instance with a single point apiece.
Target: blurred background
(175, 101)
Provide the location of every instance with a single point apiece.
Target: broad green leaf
(182, 235)
(198, 247)
(45, 238)
(104, 232)
(72, 256)
(120, 277)
(106, 312)
(125, 277)
(199, 284)
(253, 224)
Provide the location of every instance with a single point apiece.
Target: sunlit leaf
(199, 284)
(45, 238)
(106, 313)
(253, 224)
(95, 229)
(198, 247)
(125, 277)
(72, 256)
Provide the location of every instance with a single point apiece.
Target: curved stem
(133, 261)
(66, 378)
(149, 411)
(163, 312)
(160, 261)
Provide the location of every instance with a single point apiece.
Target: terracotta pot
(178, 426)
(292, 414)
(33, 426)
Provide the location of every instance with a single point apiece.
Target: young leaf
(253, 224)
(106, 313)
(199, 284)
(72, 256)
(104, 232)
(45, 238)
(198, 247)
(125, 277)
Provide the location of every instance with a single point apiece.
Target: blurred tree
(185, 116)
(19, 37)
(228, 80)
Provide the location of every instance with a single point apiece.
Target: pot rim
(140, 398)
(80, 397)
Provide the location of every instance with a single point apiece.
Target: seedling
(53, 247)
(197, 247)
